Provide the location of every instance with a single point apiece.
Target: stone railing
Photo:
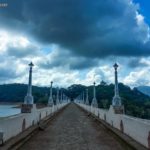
(13, 125)
(136, 128)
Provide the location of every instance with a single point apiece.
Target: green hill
(136, 103)
(17, 92)
(144, 89)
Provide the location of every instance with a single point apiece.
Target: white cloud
(137, 78)
(4, 40)
(140, 18)
(113, 29)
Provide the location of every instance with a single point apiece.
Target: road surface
(73, 129)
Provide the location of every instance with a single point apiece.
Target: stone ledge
(26, 108)
(123, 137)
(118, 110)
(16, 142)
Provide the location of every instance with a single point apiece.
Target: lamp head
(116, 66)
(31, 64)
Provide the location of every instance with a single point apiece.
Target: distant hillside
(17, 92)
(144, 89)
(136, 103)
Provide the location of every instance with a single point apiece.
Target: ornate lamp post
(94, 101)
(60, 99)
(83, 97)
(80, 98)
(50, 100)
(63, 97)
(57, 97)
(29, 98)
(87, 98)
(116, 99)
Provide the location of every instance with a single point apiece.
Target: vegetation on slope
(136, 103)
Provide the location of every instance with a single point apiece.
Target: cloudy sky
(75, 41)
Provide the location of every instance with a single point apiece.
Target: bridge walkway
(74, 130)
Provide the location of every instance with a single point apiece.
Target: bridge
(78, 125)
(73, 129)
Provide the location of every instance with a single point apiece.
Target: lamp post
(50, 100)
(116, 99)
(60, 99)
(29, 98)
(87, 98)
(57, 97)
(63, 97)
(94, 101)
(83, 97)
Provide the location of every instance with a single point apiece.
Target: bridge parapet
(13, 125)
(136, 128)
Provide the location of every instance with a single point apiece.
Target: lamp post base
(94, 103)
(50, 102)
(28, 99)
(116, 101)
(27, 108)
(118, 109)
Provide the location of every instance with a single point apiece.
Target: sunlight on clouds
(137, 78)
(98, 74)
(145, 61)
(148, 34)
(9, 41)
(44, 77)
(139, 18)
(143, 28)
(21, 68)
(20, 41)
(4, 40)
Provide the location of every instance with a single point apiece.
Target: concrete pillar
(50, 100)
(29, 98)
(94, 101)
(116, 99)
(80, 99)
(57, 97)
(61, 96)
(87, 98)
(60, 99)
(83, 98)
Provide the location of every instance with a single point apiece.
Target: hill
(144, 89)
(136, 103)
(17, 92)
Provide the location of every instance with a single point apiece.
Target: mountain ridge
(136, 103)
(144, 89)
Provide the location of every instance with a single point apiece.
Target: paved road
(73, 130)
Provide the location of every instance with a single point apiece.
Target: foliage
(135, 102)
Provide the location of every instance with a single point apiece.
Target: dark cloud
(9, 69)
(21, 52)
(136, 62)
(7, 73)
(83, 63)
(88, 28)
(65, 60)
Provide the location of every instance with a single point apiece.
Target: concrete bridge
(73, 129)
(74, 126)
(66, 125)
